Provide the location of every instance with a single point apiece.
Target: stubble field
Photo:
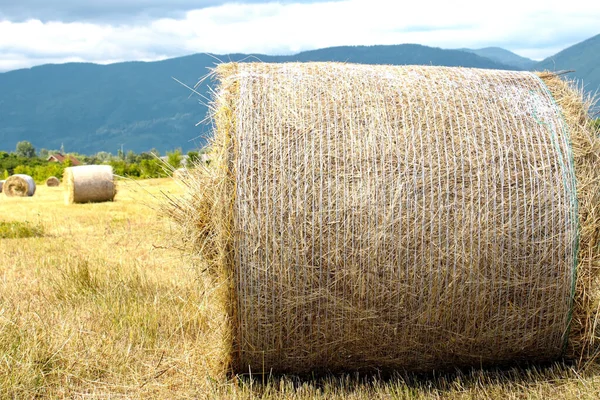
(96, 301)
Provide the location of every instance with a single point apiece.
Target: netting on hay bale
(89, 184)
(52, 181)
(19, 185)
(413, 218)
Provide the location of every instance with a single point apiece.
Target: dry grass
(100, 307)
(180, 173)
(97, 305)
(18, 230)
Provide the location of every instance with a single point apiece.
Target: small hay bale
(361, 217)
(19, 185)
(89, 184)
(52, 181)
(1, 184)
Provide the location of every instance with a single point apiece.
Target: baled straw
(52, 181)
(89, 184)
(180, 173)
(414, 218)
(583, 342)
(19, 185)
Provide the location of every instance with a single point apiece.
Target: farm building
(60, 158)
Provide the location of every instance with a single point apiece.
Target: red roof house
(57, 157)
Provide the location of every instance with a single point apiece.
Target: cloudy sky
(34, 32)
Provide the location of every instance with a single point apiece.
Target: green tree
(103, 156)
(131, 157)
(133, 170)
(23, 169)
(193, 158)
(119, 167)
(44, 153)
(68, 162)
(146, 156)
(90, 160)
(152, 168)
(155, 152)
(5, 175)
(25, 149)
(43, 172)
(174, 158)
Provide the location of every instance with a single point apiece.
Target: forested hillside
(138, 106)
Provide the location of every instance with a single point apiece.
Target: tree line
(26, 160)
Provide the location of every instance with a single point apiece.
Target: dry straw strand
(19, 185)
(180, 173)
(52, 181)
(416, 218)
(89, 184)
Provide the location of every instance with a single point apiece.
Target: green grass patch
(18, 230)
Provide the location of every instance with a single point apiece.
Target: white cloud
(534, 29)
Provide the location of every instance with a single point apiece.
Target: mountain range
(505, 57)
(138, 106)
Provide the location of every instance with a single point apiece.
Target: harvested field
(96, 304)
(99, 301)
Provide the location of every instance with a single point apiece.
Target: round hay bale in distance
(19, 185)
(52, 181)
(1, 184)
(89, 184)
(399, 217)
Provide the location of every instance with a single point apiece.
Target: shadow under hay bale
(415, 218)
(19, 185)
(89, 184)
(52, 182)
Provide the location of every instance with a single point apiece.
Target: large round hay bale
(1, 184)
(52, 182)
(412, 218)
(89, 184)
(19, 185)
